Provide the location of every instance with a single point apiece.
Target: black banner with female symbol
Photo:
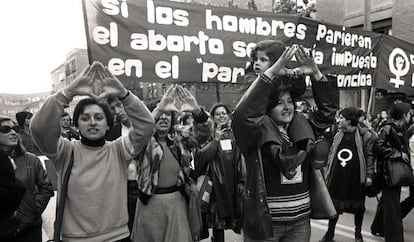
(171, 42)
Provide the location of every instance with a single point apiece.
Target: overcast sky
(35, 38)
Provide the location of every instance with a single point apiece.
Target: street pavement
(344, 230)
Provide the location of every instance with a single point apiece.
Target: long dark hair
(218, 105)
(295, 92)
(19, 149)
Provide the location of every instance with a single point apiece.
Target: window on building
(383, 26)
(70, 67)
(61, 76)
(359, 27)
(144, 91)
(154, 90)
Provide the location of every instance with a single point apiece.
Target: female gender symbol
(344, 159)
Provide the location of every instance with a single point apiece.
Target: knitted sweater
(95, 207)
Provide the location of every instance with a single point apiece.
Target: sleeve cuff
(266, 79)
(201, 117)
(63, 98)
(322, 79)
(128, 98)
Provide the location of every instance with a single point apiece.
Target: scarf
(359, 144)
(148, 166)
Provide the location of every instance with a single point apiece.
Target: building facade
(65, 73)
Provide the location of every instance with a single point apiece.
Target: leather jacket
(248, 121)
(39, 189)
(391, 144)
(226, 181)
(369, 139)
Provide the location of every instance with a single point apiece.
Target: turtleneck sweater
(95, 208)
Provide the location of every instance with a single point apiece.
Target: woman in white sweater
(95, 208)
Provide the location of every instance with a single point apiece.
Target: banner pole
(371, 101)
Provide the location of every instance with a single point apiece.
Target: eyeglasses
(7, 129)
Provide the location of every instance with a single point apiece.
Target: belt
(165, 190)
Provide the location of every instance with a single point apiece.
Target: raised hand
(308, 65)
(82, 83)
(297, 72)
(167, 102)
(111, 85)
(181, 132)
(279, 67)
(188, 101)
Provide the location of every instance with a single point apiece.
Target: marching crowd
(128, 172)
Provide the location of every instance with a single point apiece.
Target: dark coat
(391, 144)
(248, 125)
(226, 170)
(368, 139)
(11, 193)
(39, 189)
(70, 134)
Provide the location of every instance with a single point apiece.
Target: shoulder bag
(204, 187)
(62, 200)
(397, 173)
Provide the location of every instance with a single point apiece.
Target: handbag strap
(207, 169)
(62, 200)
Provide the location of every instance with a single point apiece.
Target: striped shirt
(289, 208)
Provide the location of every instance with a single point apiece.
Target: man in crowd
(66, 127)
(121, 128)
(23, 119)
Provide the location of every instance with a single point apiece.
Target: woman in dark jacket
(29, 171)
(392, 144)
(350, 169)
(222, 161)
(265, 126)
(11, 193)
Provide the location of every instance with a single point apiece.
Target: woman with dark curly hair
(278, 206)
(221, 159)
(11, 193)
(29, 171)
(393, 145)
